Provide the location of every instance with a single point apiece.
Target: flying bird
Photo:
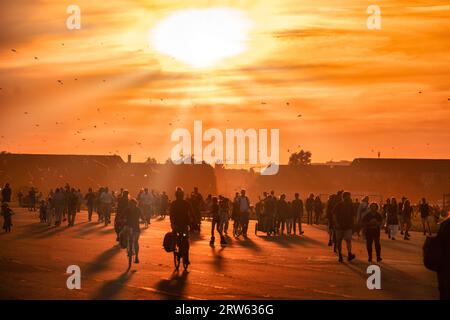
(13, 50)
(60, 82)
(299, 116)
(36, 58)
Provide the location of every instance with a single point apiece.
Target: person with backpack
(372, 222)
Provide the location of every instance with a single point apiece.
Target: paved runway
(34, 258)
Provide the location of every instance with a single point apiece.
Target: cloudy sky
(310, 68)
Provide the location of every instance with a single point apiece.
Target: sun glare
(202, 37)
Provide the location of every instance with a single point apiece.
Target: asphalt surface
(34, 259)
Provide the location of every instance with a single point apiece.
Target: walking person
(7, 214)
(309, 204)
(318, 210)
(270, 208)
(72, 207)
(372, 222)
(343, 223)
(392, 219)
(297, 213)
(43, 211)
(283, 212)
(331, 203)
(32, 200)
(106, 201)
(224, 209)
(58, 202)
(424, 209)
(215, 223)
(6, 193)
(407, 216)
(244, 211)
(90, 201)
(363, 209)
(146, 200)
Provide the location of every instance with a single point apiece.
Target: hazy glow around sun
(202, 37)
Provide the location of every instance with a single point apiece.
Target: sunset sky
(358, 91)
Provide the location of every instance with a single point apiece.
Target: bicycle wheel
(176, 260)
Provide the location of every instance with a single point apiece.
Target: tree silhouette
(300, 158)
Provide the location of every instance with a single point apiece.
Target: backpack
(169, 242)
(433, 253)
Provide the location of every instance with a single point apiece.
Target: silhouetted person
(163, 205)
(224, 209)
(215, 223)
(119, 219)
(424, 209)
(132, 218)
(332, 201)
(343, 216)
(361, 211)
(318, 209)
(43, 211)
(32, 200)
(372, 222)
(392, 219)
(309, 205)
(297, 213)
(58, 202)
(270, 208)
(90, 201)
(244, 211)
(146, 200)
(407, 216)
(6, 213)
(72, 207)
(6, 193)
(443, 274)
(180, 218)
(106, 201)
(283, 213)
(401, 205)
(197, 204)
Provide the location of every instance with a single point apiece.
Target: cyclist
(180, 220)
(132, 217)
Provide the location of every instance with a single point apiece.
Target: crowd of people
(276, 215)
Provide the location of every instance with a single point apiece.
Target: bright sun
(202, 37)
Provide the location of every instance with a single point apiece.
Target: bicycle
(237, 228)
(131, 250)
(181, 251)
